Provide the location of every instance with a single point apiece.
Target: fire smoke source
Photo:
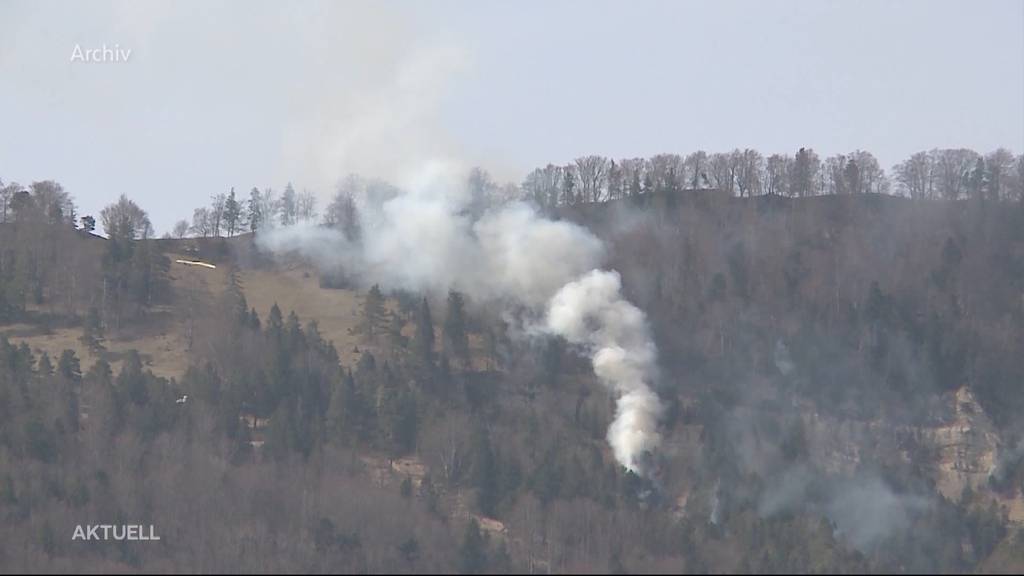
(424, 240)
(592, 313)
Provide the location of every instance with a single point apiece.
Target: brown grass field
(296, 287)
(162, 338)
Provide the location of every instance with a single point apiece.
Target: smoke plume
(592, 313)
(426, 240)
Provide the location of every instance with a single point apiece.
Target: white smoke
(591, 312)
(425, 240)
(382, 118)
(425, 243)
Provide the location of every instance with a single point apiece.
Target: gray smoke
(425, 240)
(1008, 459)
(865, 510)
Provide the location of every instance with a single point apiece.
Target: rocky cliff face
(966, 448)
(960, 451)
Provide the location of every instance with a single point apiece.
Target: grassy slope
(295, 287)
(161, 338)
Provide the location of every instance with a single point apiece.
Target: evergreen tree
(430, 495)
(232, 212)
(280, 432)
(69, 367)
(92, 330)
(359, 414)
(423, 342)
(40, 442)
(289, 206)
(485, 466)
(472, 553)
(444, 376)
(455, 338)
(406, 423)
(24, 361)
(851, 173)
(106, 405)
(44, 367)
(255, 213)
(132, 382)
(66, 391)
(294, 335)
(410, 549)
(337, 411)
(275, 322)
(374, 321)
(397, 340)
(396, 412)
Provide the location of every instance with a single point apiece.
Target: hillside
(877, 322)
(842, 376)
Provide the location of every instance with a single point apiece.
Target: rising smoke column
(591, 312)
(423, 240)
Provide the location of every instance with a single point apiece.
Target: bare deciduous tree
(749, 165)
(696, 166)
(180, 229)
(871, 177)
(125, 219)
(722, 172)
(305, 208)
(915, 176)
(952, 167)
(999, 165)
(591, 172)
(776, 174)
(201, 225)
(806, 174)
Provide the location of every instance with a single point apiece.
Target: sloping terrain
(804, 343)
(294, 287)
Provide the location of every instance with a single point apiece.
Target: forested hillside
(841, 369)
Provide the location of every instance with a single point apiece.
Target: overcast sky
(243, 94)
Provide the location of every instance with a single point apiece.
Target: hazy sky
(243, 94)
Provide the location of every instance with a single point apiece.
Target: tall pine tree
(423, 343)
(456, 340)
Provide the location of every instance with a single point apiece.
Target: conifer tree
(397, 340)
(455, 338)
(232, 213)
(485, 465)
(289, 206)
(44, 366)
(424, 338)
(92, 330)
(472, 553)
(374, 321)
(255, 213)
(69, 367)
